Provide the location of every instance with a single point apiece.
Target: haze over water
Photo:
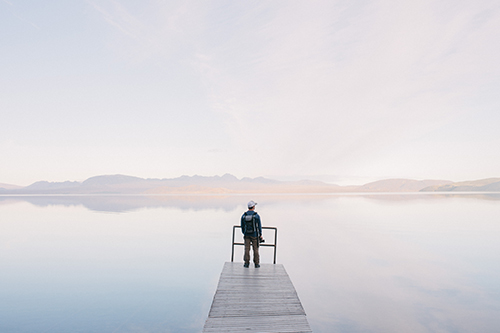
(376, 263)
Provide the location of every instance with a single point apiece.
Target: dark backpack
(249, 220)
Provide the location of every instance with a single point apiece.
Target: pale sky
(345, 91)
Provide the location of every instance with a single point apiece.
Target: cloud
(127, 20)
(20, 17)
(152, 31)
(304, 88)
(336, 83)
(327, 84)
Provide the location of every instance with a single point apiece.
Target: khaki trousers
(254, 241)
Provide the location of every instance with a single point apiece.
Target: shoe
(257, 265)
(246, 265)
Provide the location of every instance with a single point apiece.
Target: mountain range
(229, 184)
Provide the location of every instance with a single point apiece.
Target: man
(252, 231)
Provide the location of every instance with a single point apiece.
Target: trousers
(254, 241)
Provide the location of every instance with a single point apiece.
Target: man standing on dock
(252, 231)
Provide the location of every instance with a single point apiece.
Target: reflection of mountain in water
(127, 203)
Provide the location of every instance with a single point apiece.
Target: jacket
(257, 222)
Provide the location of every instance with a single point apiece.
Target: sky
(341, 91)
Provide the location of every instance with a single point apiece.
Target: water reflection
(227, 203)
(379, 263)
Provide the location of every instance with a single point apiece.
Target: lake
(359, 263)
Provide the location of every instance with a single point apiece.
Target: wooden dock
(256, 300)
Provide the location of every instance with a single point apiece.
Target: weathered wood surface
(256, 300)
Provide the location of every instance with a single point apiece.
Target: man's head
(251, 205)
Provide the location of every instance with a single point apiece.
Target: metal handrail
(275, 245)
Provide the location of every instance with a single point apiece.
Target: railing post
(275, 243)
(232, 246)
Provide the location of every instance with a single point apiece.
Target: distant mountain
(110, 180)
(231, 184)
(9, 186)
(122, 184)
(400, 185)
(482, 185)
(228, 184)
(44, 185)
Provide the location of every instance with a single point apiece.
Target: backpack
(250, 227)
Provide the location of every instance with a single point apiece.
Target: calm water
(381, 263)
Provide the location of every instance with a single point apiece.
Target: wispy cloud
(338, 84)
(377, 88)
(29, 22)
(118, 17)
(20, 17)
(158, 36)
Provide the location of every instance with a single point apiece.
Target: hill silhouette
(481, 185)
(9, 186)
(229, 184)
(401, 185)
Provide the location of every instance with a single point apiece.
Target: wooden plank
(256, 300)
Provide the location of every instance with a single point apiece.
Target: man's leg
(255, 245)
(246, 256)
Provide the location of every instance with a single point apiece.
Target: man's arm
(259, 224)
(243, 224)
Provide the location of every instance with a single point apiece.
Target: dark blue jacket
(257, 222)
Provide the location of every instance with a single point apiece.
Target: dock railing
(275, 245)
